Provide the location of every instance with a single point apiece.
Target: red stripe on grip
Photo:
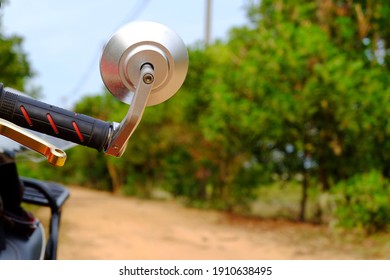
(26, 116)
(52, 124)
(76, 128)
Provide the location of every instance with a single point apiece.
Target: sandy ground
(99, 225)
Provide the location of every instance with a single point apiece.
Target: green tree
(293, 93)
(320, 78)
(362, 202)
(15, 69)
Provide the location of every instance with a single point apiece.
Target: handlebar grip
(48, 119)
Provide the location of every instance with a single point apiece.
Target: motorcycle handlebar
(48, 119)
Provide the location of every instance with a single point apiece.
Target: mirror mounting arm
(122, 132)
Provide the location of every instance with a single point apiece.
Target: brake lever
(54, 155)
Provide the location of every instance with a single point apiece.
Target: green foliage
(15, 69)
(363, 202)
(326, 87)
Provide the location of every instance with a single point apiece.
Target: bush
(363, 202)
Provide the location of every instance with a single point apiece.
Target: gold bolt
(148, 78)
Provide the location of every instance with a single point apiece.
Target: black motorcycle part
(2, 231)
(52, 195)
(18, 248)
(11, 188)
(48, 119)
(22, 237)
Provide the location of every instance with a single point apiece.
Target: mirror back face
(139, 43)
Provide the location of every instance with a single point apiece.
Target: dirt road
(98, 225)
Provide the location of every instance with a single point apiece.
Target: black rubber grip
(48, 119)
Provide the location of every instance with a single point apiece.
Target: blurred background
(284, 115)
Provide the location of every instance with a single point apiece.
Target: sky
(64, 39)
